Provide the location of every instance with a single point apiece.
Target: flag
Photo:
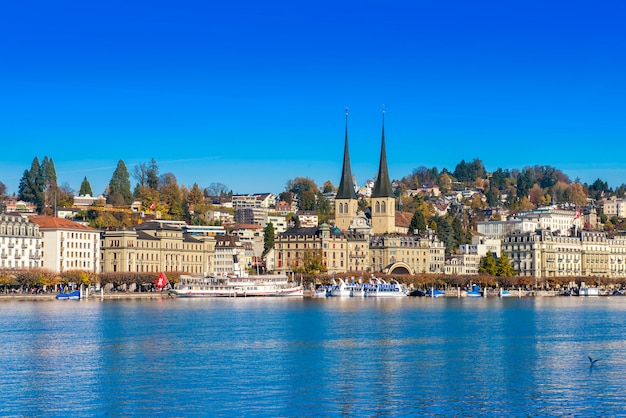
(161, 281)
(577, 216)
(153, 206)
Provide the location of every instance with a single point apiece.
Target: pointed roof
(346, 188)
(382, 187)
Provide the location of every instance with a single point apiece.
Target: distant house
(87, 200)
(307, 218)
(19, 206)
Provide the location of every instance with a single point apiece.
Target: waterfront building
(361, 243)
(20, 243)
(295, 245)
(231, 256)
(68, 245)
(251, 234)
(544, 254)
(155, 246)
(462, 264)
(408, 254)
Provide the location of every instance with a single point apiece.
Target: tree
(312, 262)
(31, 188)
(269, 236)
(3, 190)
(194, 196)
(50, 188)
(418, 223)
(65, 197)
(119, 186)
(171, 194)
(328, 187)
(576, 194)
(504, 267)
(85, 188)
(488, 264)
(217, 189)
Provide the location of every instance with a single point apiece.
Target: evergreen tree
(504, 267)
(488, 264)
(85, 188)
(418, 223)
(119, 186)
(31, 188)
(268, 237)
(152, 175)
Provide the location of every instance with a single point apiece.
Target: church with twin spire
(358, 243)
(383, 201)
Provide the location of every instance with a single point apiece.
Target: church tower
(383, 200)
(346, 202)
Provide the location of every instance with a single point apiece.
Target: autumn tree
(170, 194)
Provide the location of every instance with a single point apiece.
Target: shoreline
(116, 295)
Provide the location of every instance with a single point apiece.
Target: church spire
(346, 186)
(382, 187)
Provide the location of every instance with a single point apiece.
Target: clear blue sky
(251, 94)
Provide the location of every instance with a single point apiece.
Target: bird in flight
(593, 361)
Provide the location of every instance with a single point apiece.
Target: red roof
(51, 222)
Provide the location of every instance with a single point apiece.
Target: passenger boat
(381, 289)
(343, 289)
(227, 286)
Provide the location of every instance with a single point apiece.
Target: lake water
(314, 357)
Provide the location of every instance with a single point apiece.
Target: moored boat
(247, 286)
(75, 295)
(475, 292)
(381, 289)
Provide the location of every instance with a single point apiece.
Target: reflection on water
(312, 357)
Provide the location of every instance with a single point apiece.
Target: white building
(482, 245)
(231, 257)
(279, 222)
(613, 207)
(20, 243)
(68, 245)
(257, 200)
(558, 221)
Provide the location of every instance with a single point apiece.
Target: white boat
(247, 286)
(381, 289)
(320, 292)
(341, 288)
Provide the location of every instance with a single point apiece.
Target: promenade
(106, 295)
